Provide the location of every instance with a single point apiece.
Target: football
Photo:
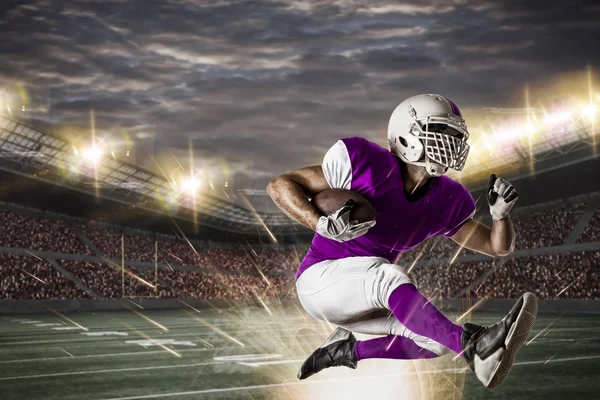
(330, 200)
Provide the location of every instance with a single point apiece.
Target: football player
(349, 277)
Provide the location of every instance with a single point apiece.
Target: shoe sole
(518, 333)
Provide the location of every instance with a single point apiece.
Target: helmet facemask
(444, 143)
(436, 143)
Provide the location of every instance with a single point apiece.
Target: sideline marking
(247, 357)
(105, 333)
(162, 342)
(132, 353)
(103, 371)
(274, 385)
(260, 364)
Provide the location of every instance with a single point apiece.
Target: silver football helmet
(429, 130)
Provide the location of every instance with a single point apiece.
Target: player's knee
(392, 276)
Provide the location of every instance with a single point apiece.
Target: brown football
(330, 200)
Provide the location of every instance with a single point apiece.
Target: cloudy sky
(261, 87)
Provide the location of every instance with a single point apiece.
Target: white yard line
(294, 383)
(104, 371)
(191, 324)
(193, 330)
(134, 353)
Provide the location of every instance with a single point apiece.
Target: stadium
(139, 278)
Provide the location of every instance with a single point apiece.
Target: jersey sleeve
(461, 210)
(337, 167)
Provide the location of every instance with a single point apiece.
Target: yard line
(103, 371)
(190, 323)
(133, 353)
(197, 329)
(295, 383)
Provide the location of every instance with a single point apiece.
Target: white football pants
(353, 293)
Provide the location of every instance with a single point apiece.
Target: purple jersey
(373, 171)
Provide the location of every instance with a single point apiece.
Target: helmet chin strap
(434, 169)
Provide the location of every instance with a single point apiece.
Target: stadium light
(589, 111)
(557, 118)
(189, 185)
(92, 154)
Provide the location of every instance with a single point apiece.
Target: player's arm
(499, 240)
(495, 241)
(291, 192)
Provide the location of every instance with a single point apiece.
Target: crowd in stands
(109, 281)
(232, 259)
(574, 275)
(557, 276)
(188, 270)
(444, 280)
(185, 253)
(592, 231)
(32, 278)
(277, 261)
(38, 233)
(546, 228)
(113, 244)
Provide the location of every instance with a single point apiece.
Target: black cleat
(337, 351)
(490, 351)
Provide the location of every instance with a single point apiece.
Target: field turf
(250, 353)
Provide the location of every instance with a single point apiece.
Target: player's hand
(338, 226)
(501, 197)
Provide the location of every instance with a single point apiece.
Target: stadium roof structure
(28, 151)
(562, 137)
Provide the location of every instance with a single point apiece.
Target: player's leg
(490, 351)
(399, 343)
(391, 347)
(345, 292)
(419, 315)
(363, 284)
(333, 291)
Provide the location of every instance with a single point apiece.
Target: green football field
(249, 353)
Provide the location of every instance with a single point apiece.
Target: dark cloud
(267, 86)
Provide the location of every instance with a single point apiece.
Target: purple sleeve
(462, 210)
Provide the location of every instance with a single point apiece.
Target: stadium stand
(183, 254)
(136, 247)
(445, 281)
(545, 228)
(592, 232)
(191, 284)
(107, 280)
(193, 270)
(558, 276)
(38, 233)
(32, 278)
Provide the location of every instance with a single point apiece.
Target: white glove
(501, 197)
(338, 226)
